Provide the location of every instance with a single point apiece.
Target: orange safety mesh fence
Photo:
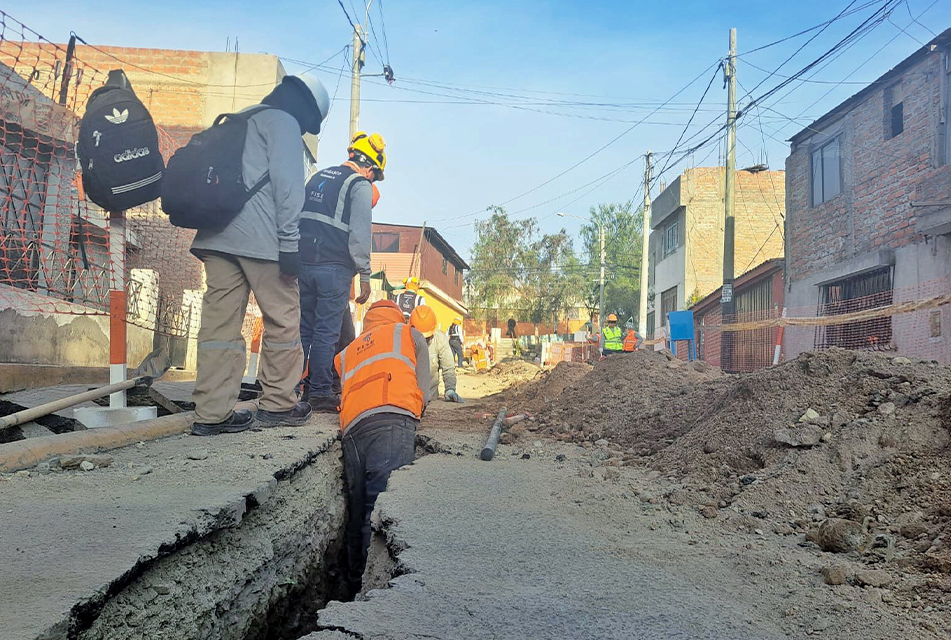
(913, 321)
(54, 243)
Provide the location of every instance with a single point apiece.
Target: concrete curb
(25, 454)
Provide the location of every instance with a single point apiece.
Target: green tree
(531, 276)
(623, 229)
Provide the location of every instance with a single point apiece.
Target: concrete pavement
(516, 549)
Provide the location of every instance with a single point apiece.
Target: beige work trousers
(221, 347)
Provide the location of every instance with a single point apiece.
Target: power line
(805, 31)
(589, 156)
(386, 44)
(346, 13)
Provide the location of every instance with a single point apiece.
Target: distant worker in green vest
(611, 340)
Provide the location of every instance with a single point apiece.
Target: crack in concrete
(84, 613)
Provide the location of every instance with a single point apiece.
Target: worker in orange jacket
(632, 340)
(386, 387)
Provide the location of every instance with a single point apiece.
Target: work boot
(324, 404)
(239, 421)
(291, 418)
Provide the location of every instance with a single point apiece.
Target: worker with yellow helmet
(423, 319)
(455, 340)
(335, 233)
(410, 297)
(611, 338)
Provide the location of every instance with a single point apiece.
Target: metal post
(118, 362)
(67, 70)
(358, 57)
(727, 299)
(601, 305)
(645, 246)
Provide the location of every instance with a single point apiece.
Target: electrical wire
(586, 158)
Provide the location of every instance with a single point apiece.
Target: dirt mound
(534, 395)
(835, 434)
(518, 370)
(638, 400)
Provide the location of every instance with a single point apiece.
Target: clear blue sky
(448, 161)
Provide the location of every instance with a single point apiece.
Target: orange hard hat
(612, 318)
(423, 319)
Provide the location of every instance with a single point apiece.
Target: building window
(898, 120)
(668, 303)
(826, 172)
(858, 293)
(894, 111)
(385, 242)
(650, 326)
(455, 277)
(671, 238)
(445, 267)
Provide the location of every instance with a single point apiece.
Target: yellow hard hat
(411, 283)
(372, 147)
(458, 319)
(423, 319)
(612, 317)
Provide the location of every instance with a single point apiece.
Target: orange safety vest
(631, 341)
(378, 369)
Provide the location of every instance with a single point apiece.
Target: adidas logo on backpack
(117, 117)
(118, 148)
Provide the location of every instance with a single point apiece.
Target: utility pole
(727, 299)
(601, 305)
(358, 59)
(645, 245)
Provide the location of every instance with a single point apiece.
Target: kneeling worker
(386, 386)
(423, 319)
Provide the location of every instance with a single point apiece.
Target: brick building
(686, 240)
(759, 295)
(400, 251)
(868, 191)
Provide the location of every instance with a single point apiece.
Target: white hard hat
(316, 88)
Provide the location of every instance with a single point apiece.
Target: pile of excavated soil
(543, 389)
(641, 400)
(835, 434)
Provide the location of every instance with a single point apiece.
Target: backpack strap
(246, 115)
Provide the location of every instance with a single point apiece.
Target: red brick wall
(175, 99)
(881, 178)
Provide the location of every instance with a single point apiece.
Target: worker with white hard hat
(257, 251)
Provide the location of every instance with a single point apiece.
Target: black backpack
(118, 147)
(204, 186)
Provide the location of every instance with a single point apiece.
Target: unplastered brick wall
(172, 84)
(759, 208)
(881, 174)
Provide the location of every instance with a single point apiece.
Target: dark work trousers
(372, 449)
(456, 345)
(347, 334)
(324, 292)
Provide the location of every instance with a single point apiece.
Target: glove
(452, 396)
(289, 263)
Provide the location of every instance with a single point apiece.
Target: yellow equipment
(411, 283)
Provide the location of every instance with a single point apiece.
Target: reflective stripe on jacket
(632, 340)
(378, 369)
(325, 219)
(612, 339)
